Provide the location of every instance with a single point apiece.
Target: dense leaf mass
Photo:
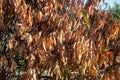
(59, 40)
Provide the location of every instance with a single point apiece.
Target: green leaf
(85, 15)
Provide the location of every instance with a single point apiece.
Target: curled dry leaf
(44, 45)
(1, 8)
(3, 62)
(60, 36)
(68, 36)
(39, 16)
(12, 44)
(21, 28)
(13, 65)
(37, 37)
(47, 44)
(118, 59)
(27, 37)
(24, 10)
(30, 17)
(47, 9)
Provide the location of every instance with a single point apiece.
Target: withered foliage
(58, 39)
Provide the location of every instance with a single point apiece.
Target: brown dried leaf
(24, 10)
(44, 45)
(61, 37)
(30, 17)
(1, 2)
(39, 16)
(118, 59)
(27, 37)
(13, 65)
(12, 44)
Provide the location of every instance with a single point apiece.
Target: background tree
(115, 10)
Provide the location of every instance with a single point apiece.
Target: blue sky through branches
(109, 3)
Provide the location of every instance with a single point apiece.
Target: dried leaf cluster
(65, 39)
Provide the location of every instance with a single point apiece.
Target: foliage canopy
(58, 39)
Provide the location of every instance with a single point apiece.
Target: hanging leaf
(44, 45)
(39, 16)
